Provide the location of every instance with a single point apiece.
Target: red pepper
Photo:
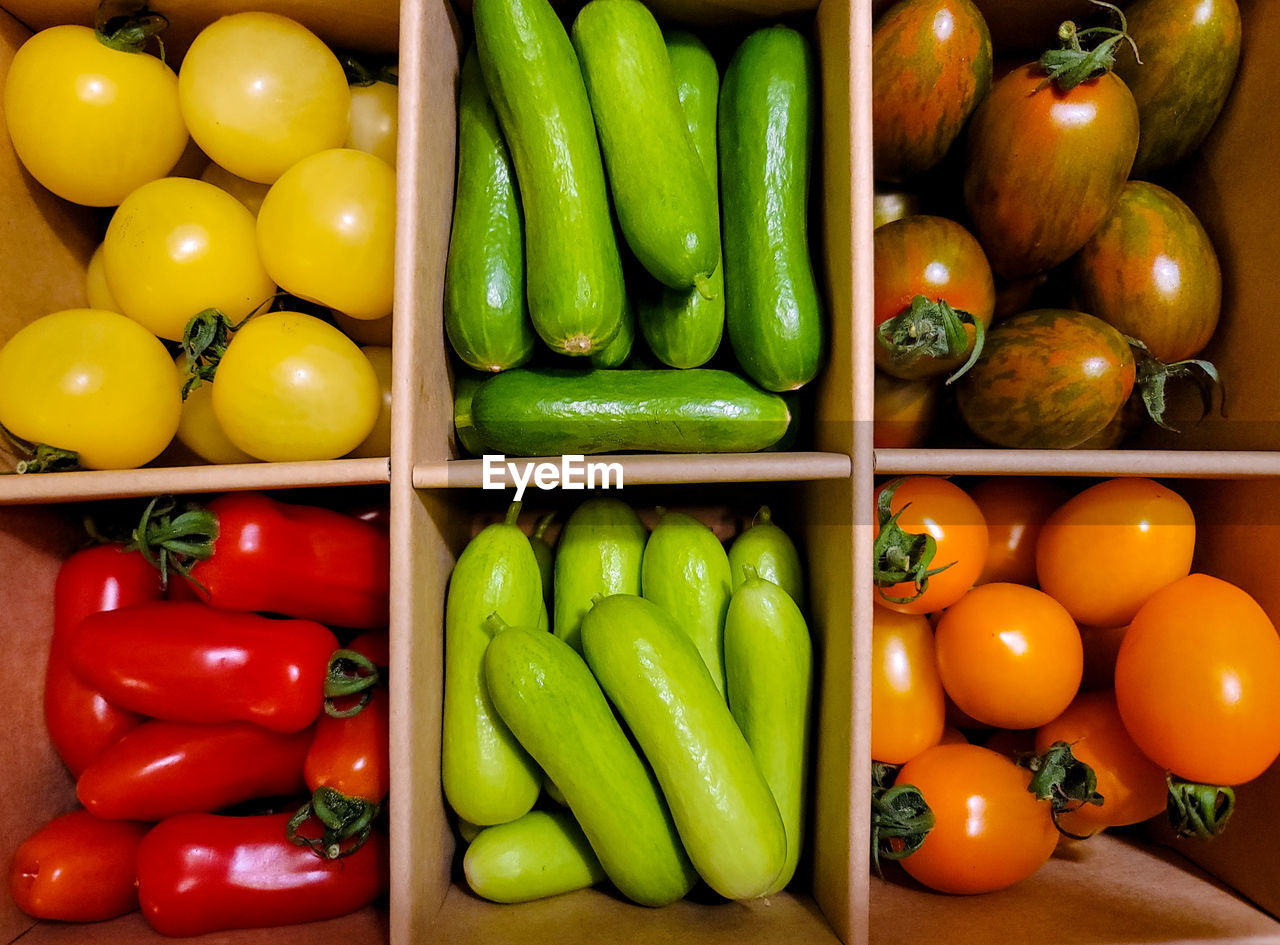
(165, 768)
(200, 873)
(187, 662)
(81, 722)
(246, 551)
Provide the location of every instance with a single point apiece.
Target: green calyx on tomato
(900, 818)
(362, 69)
(1199, 810)
(900, 555)
(931, 330)
(349, 674)
(127, 26)
(1060, 778)
(1073, 64)
(204, 342)
(39, 457)
(174, 542)
(344, 819)
(1153, 376)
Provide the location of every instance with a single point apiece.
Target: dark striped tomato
(930, 66)
(903, 411)
(1190, 50)
(1047, 379)
(1151, 271)
(1045, 167)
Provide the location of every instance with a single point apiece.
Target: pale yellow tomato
(248, 192)
(363, 331)
(177, 246)
(95, 284)
(373, 120)
(378, 442)
(198, 428)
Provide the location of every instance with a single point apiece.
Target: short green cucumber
(548, 411)
(548, 697)
(616, 352)
(488, 778)
(769, 665)
(666, 205)
(553, 793)
(464, 431)
(546, 556)
(768, 107)
(601, 550)
(485, 315)
(654, 676)
(467, 830)
(573, 267)
(686, 573)
(542, 854)
(681, 326)
(772, 553)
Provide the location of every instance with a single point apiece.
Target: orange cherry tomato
(1132, 786)
(934, 506)
(1198, 682)
(952, 736)
(989, 831)
(1015, 508)
(1108, 549)
(907, 704)
(1010, 656)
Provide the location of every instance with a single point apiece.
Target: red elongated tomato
(1045, 167)
(351, 755)
(201, 873)
(930, 66)
(1151, 271)
(907, 704)
(187, 662)
(165, 768)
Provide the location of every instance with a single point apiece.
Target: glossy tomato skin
(81, 722)
(941, 509)
(1190, 50)
(351, 755)
(1103, 552)
(930, 66)
(903, 411)
(907, 704)
(1131, 784)
(1009, 656)
(1198, 682)
(201, 873)
(165, 768)
(187, 662)
(989, 832)
(1015, 508)
(77, 868)
(1047, 379)
(1045, 166)
(373, 120)
(939, 259)
(1151, 271)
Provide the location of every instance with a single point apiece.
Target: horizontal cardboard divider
(1165, 464)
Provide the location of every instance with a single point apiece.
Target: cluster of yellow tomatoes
(1049, 619)
(299, 198)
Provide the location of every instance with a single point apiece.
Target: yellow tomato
(293, 387)
(248, 192)
(363, 331)
(327, 232)
(198, 428)
(95, 284)
(90, 381)
(91, 123)
(378, 442)
(373, 120)
(260, 92)
(178, 246)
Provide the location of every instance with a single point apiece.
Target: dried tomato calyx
(1062, 779)
(344, 819)
(127, 25)
(901, 556)
(931, 329)
(1199, 811)
(1073, 64)
(349, 674)
(1154, 375)
(174, 542)
(900, 817)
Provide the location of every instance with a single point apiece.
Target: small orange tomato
(1108, 549)
(1010, 656)
(907, 704)
(1015, 507)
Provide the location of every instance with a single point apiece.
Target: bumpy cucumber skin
(488, 778)
(682, 327)
(652, 673)
(666, 205)
(768, 105)
(686, 572)
(616, 352)
(573, 267)
(545, 412)
(548, 697)
(601, 552)
(769, 666)
(485, 315)
(773, 554)
(542, 854)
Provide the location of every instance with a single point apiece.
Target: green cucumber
(545, 412)
(616, 352)
(686, 572)
(666, 205)
(601, 550)
(573, 267)
(548, 697)
(683, 328)
(769, 665)
(542, 854)
(464, 388)
(768, 111)
(467, 830)
(772, 553)
(652, 673)
(485, 315)
(488, 778)
(546, 556)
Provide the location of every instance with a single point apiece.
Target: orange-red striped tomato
(903, 411)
